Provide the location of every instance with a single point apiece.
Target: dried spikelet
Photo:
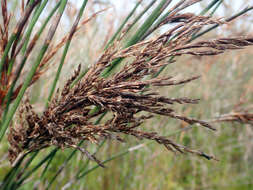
(128, 95)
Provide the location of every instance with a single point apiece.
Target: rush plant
(127, 96)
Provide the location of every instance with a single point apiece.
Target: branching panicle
(128, 94)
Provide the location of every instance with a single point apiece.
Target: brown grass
(128, 94)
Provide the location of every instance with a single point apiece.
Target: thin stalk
(33, 155)
(88, 161)
(148, 23)
(216, 7)
(209, 7)
(172, 10)
(17, 40)
(17, 170)
(204, 11)
(33, 69)
(29, 173)
(141, 14)
(160, 20)
(134, 148)
(227, 20)
(141, 31)
(48, 164)
(32, 24)
(19, 70)
(17, 32)
(104, 162)
(123, 24)
(37, 13)
(65, 51)
(63, 166)
(9, 178)
(23, 39)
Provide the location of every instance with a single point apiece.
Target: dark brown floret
(128, 95)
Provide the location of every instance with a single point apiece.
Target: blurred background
(225, 86)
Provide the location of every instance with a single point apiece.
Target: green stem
(17, 31)
(29, 173)
(227, 20)
(135, 148)
(65, 51)
(138, 35)
(122, 25)
(21, 66)
(33, 70)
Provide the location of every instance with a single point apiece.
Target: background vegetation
(225, 87)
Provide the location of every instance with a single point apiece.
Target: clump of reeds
(128, 94)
